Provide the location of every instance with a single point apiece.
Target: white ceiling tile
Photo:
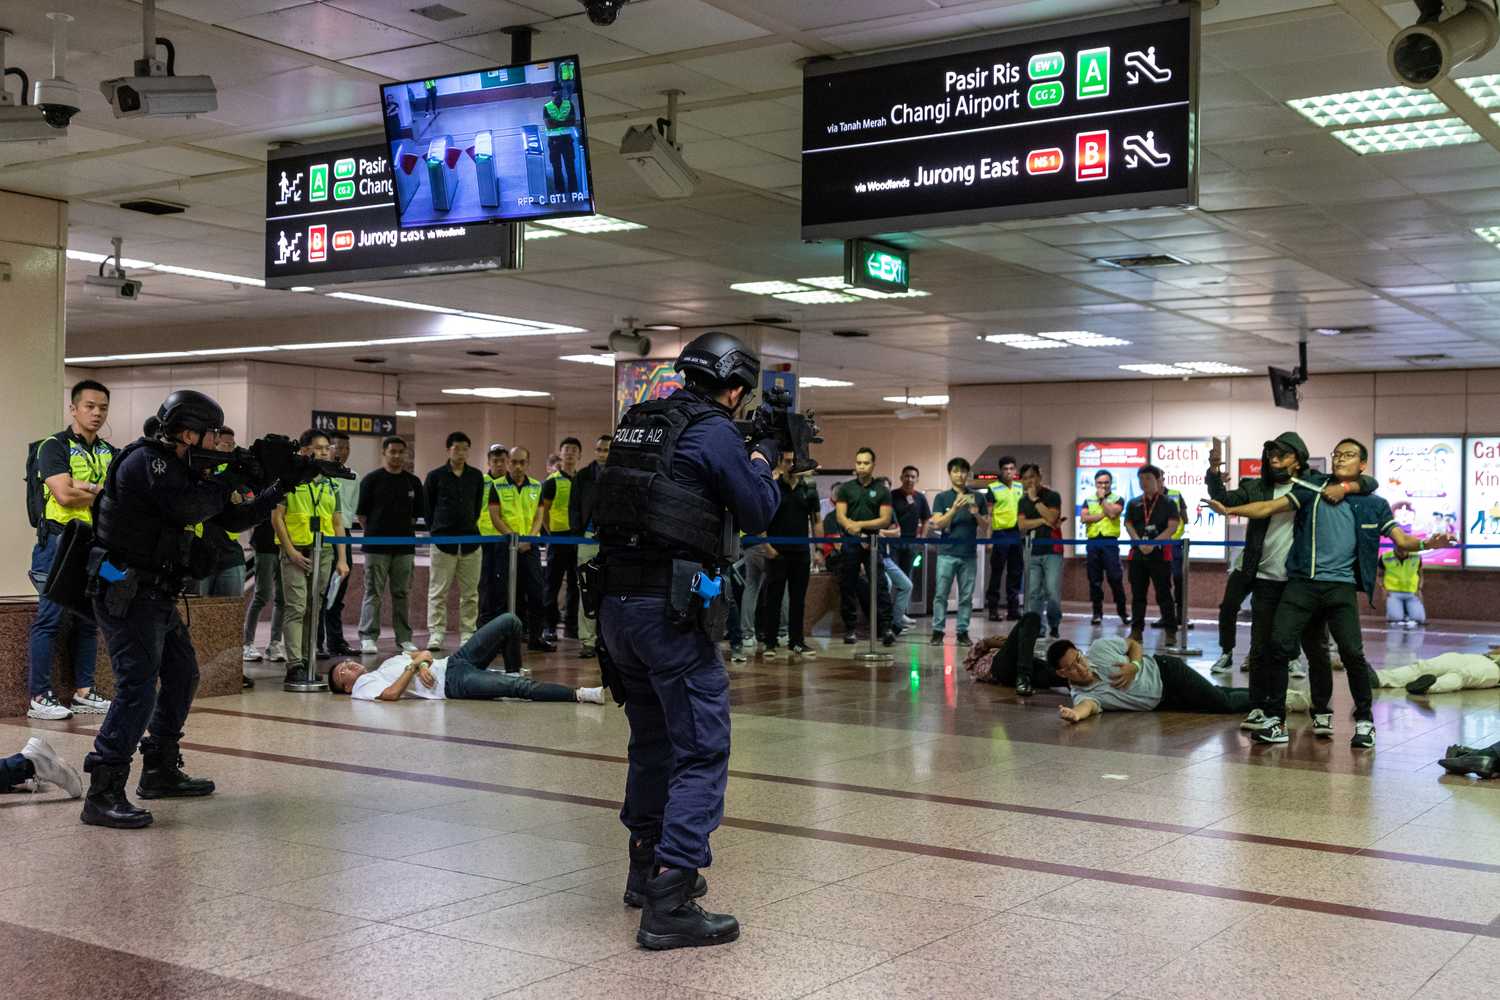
(673, 25)
(325, 31)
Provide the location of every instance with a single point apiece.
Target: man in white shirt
(465, 674)
(1445, 672)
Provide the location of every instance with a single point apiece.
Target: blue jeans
(1404, 607)
(50, 617)
(677, 701)
(1044, 587)
(267, 591)
(964, 568)
(900, 585)
(225, 583)
(469, 675)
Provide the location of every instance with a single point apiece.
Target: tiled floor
(891, 831)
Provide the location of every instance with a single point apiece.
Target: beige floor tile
(564, 926)
(1256, 867)
(1460, 845)
(261, 864)
(384, 890)
(504, 813)
(1126, 804)
(1298, 824)
(967, 883)
(819, 860)
(214, 933)
(1468, 974)
(1071, 842)
(1155, 914)
(922, 823)
(592, 984)
(391, 835)
(761, 965)
(730, 890)
(891, 923)
(425, 919)
(1428, 890)
(416, 965)
(914, 977)
(516, 857)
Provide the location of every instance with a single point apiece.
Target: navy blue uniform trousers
(677, 701)
(147, 645)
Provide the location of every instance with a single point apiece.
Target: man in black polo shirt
(1149, 516)
(789, 566)
(912, 512)
(455, 495)
(390, 502)
(863, 507)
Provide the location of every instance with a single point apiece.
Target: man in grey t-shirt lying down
(1116, 675)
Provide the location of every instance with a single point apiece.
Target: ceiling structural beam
(1382, 27)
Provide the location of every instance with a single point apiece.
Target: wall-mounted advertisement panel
(1119, 458)
(1077, 116)
(1184, 462)
(1422, 478)
(1482, 499)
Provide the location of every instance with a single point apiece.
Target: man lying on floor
(1445, 673)
(996, 660)
(464, 674)
(1116, 675)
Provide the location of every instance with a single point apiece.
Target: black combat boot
(642, 864)
(671, 919)
(106, 804)
(162, 776)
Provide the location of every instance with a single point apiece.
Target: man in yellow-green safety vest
(492, 571)
(514, 504)
(70, 468)
(1100, 515)
(1180, 502)
(1005, 555)
(1403, 589)
(560, 117)
(310, 508)
(562, 560)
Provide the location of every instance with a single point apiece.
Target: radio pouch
(67, 582)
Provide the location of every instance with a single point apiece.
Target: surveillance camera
(629, 342)
(1448, 33)
(113, 286)
(58, 99)
(603, 12)
(160, 96)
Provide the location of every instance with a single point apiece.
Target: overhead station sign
(1080, 116)
(331, 217)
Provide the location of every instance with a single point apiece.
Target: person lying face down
(1117, 675)
(465, 674)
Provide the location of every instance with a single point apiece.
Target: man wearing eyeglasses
(1335, 551)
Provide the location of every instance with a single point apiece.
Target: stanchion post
(311, 614)
(873, 656)
(512, 563)
(1183, 647)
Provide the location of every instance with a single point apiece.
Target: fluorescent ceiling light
(406, 413)
(1155, 369)
(1083, 338)
(604, 360)
(1404, 136)
(375, 300)
(538, 233)
(1360, 107)
(936, 400)
(875, 293)
(148, 356)
(302, 288)
(662, 327)
(1024, 341)
(1212, 368)
(207, 351)
(1485, 90)
(1490, 234)
(767, 287)
(99, 258)
(496, 392)
(815, 382)
(193, 272)
(592, 224)
(815, 297)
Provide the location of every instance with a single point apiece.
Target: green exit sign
(879, 266)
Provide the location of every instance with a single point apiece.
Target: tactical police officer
(143, 535)
(677, 484)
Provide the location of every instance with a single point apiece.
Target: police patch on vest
(158, 467)
(639, 435)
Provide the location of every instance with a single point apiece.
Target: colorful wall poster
(1422, 478)
(1120, 458)
(1482, 500)
(638, 381)
(1184, 462)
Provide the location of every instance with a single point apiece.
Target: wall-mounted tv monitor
(496, 145)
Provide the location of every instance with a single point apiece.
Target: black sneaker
(850, 638)
(1098, 619)
(1322, 724)
(542, 645)
(1053, 633)
(1421, 684)
(936, 640)
(800, 649)
(963, 639)
(1273, 732)
(1159, 623)
(887, 638)
(993, 614)
(1364, 735)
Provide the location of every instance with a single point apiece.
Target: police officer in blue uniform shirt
(677, 485)
(143, 536)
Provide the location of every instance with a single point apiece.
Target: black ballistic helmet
(720, 358)
(190, 409)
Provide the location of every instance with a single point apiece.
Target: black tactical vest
(130, 527)
(637, 506)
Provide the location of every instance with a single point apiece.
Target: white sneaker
(408, 647)
(249, 653)
(45, 706)
(591, 696)
(276, 651)
(1298, 701)
(50, 768)
(89, 704)
(907, 621)
(435, 642)
(1223, 665)
(1298, 669)
(1255, 721)
(1409, 624)
(367, 647)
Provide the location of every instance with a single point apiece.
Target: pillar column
(33, 277)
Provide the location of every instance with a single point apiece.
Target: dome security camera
(603, 12)
(58, 100)
(1447, 34)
